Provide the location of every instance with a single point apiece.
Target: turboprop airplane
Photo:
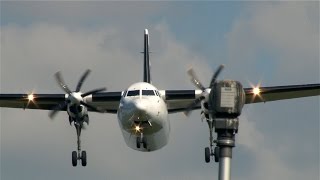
(142, 109)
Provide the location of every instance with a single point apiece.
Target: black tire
(216, 154)
(138, 142)
(144, 143)
(84, 158)
(207, 154)
(74, 158)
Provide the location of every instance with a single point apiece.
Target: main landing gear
(209, 151)
(80, 155)
(214, 153)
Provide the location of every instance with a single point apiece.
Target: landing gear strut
(80, 155)
(209, 150)
(141, 140)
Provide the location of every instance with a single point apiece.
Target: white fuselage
(143, 113)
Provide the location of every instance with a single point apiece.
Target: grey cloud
(285, 33)
(275, 43)
(40, 149)
(114, 64)
(72, 13)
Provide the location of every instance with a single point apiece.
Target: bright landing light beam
(30, 97)
(137, 128)
(256, 91)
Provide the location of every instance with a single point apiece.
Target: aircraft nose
(137, 110)
(140, 106)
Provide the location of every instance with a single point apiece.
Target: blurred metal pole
(225, 168)
(226, 130)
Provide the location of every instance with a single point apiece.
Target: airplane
(142, 109)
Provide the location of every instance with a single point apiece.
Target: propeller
(74, 95)
(198, 84)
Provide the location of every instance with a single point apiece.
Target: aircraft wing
(179, 100)
(108, 101)
(281, 92)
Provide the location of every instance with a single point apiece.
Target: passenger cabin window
(147, 92)
(133, 93)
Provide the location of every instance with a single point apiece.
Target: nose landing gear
(141, 140)
(139, 127)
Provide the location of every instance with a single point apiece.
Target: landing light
(137, 128)
(256, 90)
(30, 97)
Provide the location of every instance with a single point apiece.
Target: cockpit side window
(124, 93)
(157, 93)
(133, 93)
(147, 92)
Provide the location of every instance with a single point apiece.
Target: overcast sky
(274, 43)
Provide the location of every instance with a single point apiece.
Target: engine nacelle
(77, 111)
(226, 99)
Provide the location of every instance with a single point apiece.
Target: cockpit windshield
(147, 92)
(133, 93)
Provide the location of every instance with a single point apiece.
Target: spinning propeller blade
(60, 81)
(92, 107)
(93, 92)
(82, 79)
(57, 108)
(199, 85)
(215, 75)
(195, 80)
(192, 105)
